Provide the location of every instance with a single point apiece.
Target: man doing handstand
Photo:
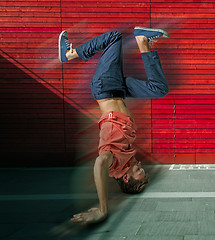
(117, 128)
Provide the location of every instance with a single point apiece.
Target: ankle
(143, 44)
(141, 39)
(71, 54)
(68, 54)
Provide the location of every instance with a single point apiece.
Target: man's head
(135, 179)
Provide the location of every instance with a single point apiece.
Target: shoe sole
(59, 45)
(165, 34)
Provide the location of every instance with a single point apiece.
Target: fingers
(77, 218)
(85, 217)
(80, 218)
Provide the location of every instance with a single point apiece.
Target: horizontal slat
(40, 3)
(30, 8)
(102, 5)
(182, 15)
(96, 8)
(173, 4)
(30, 29)
(28, 15)
(180, 1)
(25, 0)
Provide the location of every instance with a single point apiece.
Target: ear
(125, 178)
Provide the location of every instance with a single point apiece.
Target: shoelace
(67, 42)
(68, 45)
(152, 40)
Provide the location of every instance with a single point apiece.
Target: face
(136, 171)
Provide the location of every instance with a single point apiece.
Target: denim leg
(156, 86)
(109, 72)
(97, 44)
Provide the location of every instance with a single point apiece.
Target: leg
(156, 86)
(105, 41)
(108, 81)
(87, 50)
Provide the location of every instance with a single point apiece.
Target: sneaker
(63, 46)
(150, 33)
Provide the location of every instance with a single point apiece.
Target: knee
(116, 34)
(164, 91)
(161, 91)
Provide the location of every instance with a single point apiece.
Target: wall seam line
(62, 77)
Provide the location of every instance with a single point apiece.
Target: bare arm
(101, 170)
(101, 175)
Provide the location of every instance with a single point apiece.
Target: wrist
(104, 211)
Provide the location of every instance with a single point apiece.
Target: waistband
(118, 117)
(109, 94)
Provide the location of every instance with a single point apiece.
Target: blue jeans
(109, 81)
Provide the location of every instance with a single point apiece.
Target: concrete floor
(179, 204)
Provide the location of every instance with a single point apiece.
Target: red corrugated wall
(47, 114)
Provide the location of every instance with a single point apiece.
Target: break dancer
(117, 128)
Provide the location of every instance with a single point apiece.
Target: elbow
(165, 92)
(104, 160)
(99, 163)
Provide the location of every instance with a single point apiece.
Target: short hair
(133, 186)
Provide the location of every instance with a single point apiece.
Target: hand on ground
(94, 215)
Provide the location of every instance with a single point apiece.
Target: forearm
(101, 181)
(101, 175)
(93, 215)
